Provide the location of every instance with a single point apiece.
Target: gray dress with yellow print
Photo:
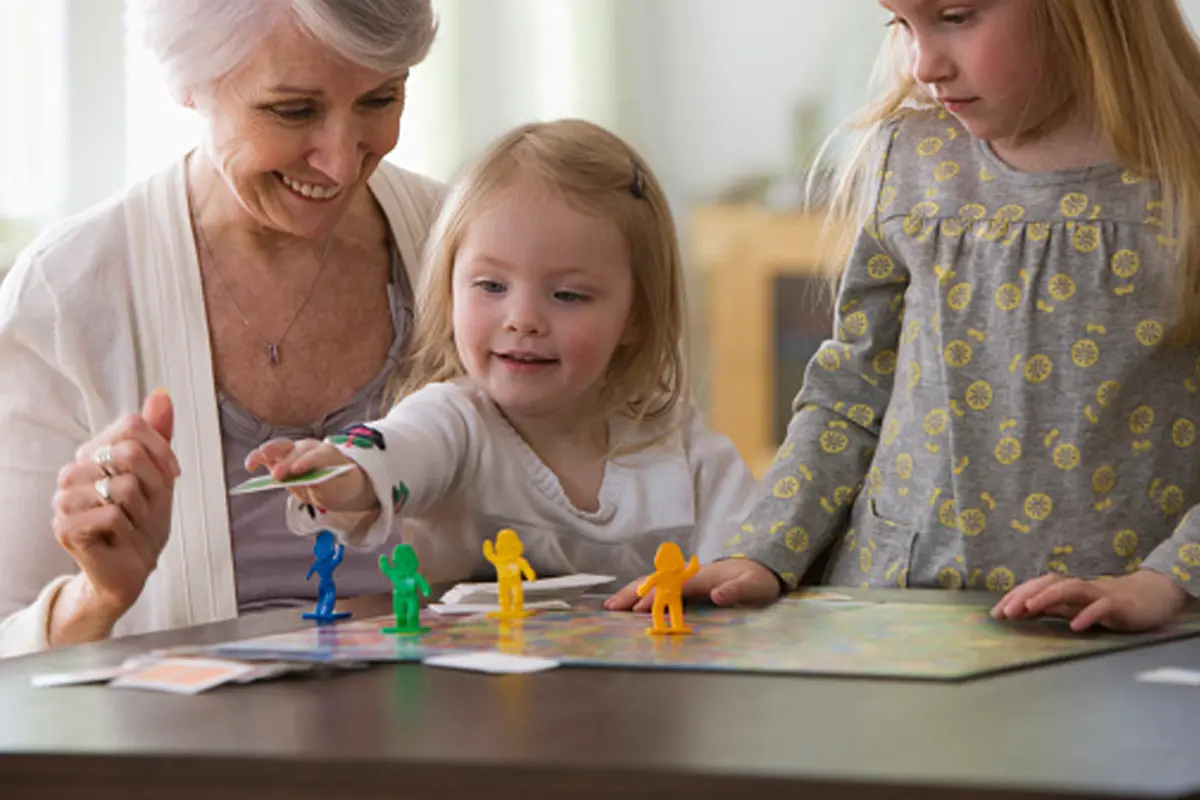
(1001, 397)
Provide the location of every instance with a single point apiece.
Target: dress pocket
(876, 552)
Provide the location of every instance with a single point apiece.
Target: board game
(802, 635)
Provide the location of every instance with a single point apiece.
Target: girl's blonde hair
(1133, 64)
(595, 170)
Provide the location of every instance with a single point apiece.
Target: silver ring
(104, 490)
(103, 457)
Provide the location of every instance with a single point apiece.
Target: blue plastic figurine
(328, 556)
(406, 584)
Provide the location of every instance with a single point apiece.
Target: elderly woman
(260, 287)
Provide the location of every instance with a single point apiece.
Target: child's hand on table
(1137, 602)
(729, 582)
(283, 458)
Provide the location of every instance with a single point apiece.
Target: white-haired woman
(147, 345)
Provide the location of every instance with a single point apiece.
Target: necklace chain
(272, 346)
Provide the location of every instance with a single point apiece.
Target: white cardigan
(94, 316)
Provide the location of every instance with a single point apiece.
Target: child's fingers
(646, 602)
(268, 454)
(1071, 592)
(1013, 604)
(1102, 611)
(307, 455)
(625, 598)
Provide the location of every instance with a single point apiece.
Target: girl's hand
(283, 458)
(729, 582)
(1137, 602)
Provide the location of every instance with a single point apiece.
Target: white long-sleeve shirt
(450, 471)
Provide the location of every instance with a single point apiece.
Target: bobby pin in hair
(638, 186)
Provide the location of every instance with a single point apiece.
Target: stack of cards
(545, 593)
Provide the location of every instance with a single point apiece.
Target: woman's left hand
(1140, 601)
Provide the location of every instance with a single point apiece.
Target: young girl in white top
(547, 390)
(1009, 401)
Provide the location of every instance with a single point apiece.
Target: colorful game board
(797, 635)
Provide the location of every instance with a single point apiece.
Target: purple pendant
(273, 353)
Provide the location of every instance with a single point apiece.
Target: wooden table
(1082, 728)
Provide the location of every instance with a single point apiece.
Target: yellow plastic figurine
(670, 574)
(510, 566)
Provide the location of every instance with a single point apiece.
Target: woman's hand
(112, 514)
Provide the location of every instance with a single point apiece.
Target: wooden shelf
(739, 252)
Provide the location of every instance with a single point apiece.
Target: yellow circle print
(950, 578)
(1062, 287)
(979, 396)
(1126, 263)
(829, 359)
(842, 495)
(1149, 332)
(1190, 554)
(891, 431)
(935, 421)
(1074, 204)
(1107, 392)
(1010, 213)
(1183, 433)
(886, 197)
(1125, 543)
(959, 297)
(864, 559)
(1172, 500)
(1008, 450)
(885, 362)
(796, 540)
(1038, 231)
(1085, 353)
(1008, 297)
(875, 479)
(905, 466)
(914, 374)
(881, 267)
(1066, 457)
(945, 171)
(1038, 507)
(1001, 579)
(1141, 420)
(1104, 479)
(948, 514)
(972, 212)
(856, 324)
(862, 415)
(929, 147)
(958, 353)
(787, 488)
(834, 441)
(1038, 369)
(972, 522)
(1087, 238)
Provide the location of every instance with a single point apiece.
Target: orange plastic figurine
(670, 574)
(510, 567)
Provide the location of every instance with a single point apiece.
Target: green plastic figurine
(407, 586)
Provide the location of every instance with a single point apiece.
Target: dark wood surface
(1080, 728)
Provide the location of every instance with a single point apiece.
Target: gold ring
(104, 490)
(103, 457)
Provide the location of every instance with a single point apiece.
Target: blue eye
(490, 286)
(567, 296)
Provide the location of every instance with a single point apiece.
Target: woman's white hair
(200, 41)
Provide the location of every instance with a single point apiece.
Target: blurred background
(726, 100)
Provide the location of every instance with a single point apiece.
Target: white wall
(717, 83)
